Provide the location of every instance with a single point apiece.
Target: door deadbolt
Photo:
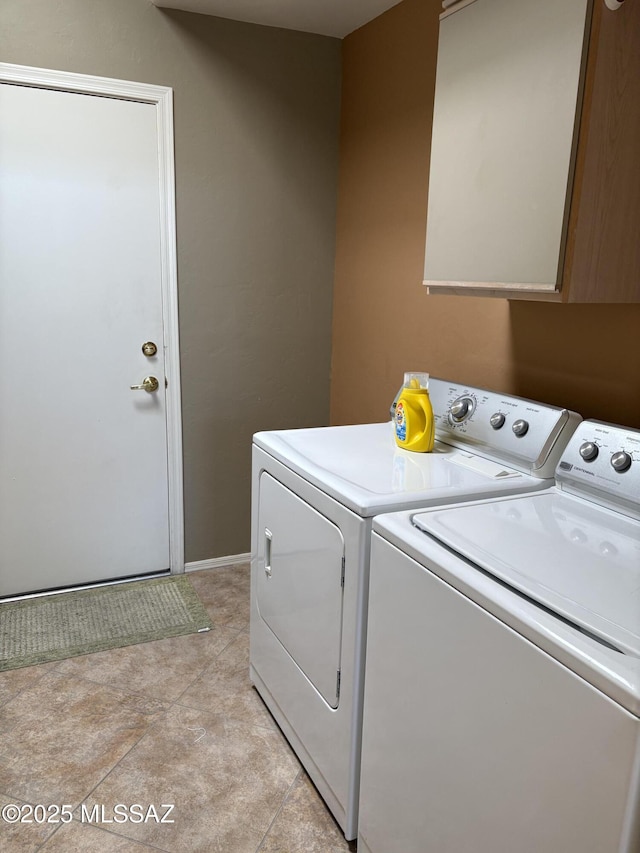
(149, 349)
(149, 384)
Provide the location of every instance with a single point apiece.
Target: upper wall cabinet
(534, 188)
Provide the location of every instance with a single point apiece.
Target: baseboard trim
(217, 562)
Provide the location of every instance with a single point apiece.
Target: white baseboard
(217, 562)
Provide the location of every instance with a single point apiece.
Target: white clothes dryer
(314, 494)
(502, 690)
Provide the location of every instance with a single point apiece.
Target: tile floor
(174, 721)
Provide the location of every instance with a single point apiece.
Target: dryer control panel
(602, 462)
(526, 434)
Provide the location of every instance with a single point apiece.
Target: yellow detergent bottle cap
(415, 380)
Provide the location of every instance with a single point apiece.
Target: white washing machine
(502, 689)
(314, 494)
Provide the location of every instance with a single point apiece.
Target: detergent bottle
(414, 424)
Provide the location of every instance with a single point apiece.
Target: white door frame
(162, 98)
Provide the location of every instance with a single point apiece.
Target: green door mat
(54, 627)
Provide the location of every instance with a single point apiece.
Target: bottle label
(401, 422)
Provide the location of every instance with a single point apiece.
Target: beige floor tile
(101, 726)
(22, 837)
(162, 668)
(225, 594)
(305, 825)
(224, 687)
(226, 778)
(84, 837)
(61, 735)
(15, 680)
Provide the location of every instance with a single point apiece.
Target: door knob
(149, 383)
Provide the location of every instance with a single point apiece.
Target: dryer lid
(578, 560)
(361, 466)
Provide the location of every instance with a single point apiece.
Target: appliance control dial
(497, 420)
(589, 451)
(462, 409)
(621, 461)
(520, 427)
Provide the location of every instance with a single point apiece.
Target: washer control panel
(528, 435)
(603, 459)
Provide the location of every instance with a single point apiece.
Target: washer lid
(362, 467)
(569, 555)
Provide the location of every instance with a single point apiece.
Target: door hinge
(342, 574)
(338, 685)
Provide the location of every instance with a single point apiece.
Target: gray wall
(256, 134)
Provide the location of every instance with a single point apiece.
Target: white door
(84, 491)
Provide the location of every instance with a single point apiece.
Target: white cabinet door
(83, 459)
(508, 87)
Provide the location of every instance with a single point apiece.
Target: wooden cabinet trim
(604, 265)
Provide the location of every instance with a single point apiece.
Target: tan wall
(256, 130)
(585, 357)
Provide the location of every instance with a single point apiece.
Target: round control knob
(588, 451)
(520, 428)
(461, 409)
(497, 420)
(620, 461)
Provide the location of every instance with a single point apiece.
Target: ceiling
(326, 17)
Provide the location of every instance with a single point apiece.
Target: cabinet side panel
(605, 256)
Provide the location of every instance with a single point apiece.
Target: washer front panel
(475, 741)
(614, 673)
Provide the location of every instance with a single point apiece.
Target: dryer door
(299, 583)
